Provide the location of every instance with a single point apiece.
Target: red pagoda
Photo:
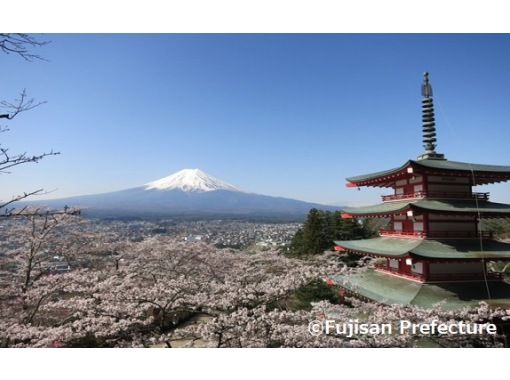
(433, 248)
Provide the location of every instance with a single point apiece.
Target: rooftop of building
(483, 174)
(450, 206)
(390, 290)
(439, 249)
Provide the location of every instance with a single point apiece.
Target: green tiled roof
(437, 164)
(463, 248)
(463, 206)
(468, 206)
(462, 166)
(437, 249)
(366, 177)
(381, 208)
(389, 290)
(380, 287)
(385, 246)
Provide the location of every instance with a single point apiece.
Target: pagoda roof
(381, 246)
(484, 174)
(390, 290)
(446, 249)
(449, 206)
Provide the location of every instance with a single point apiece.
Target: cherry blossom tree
(154, 294)
(159, 284)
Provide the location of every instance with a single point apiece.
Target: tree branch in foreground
(21, 44)
(21, 104)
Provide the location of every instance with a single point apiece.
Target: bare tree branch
(23, 103)
(7, 161)
(26, 212)
(20, 197)
(21, 44)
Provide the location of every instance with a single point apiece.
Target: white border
(240, 364)
(241, 16)
(249, 16)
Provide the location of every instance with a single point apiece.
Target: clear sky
(286, 115)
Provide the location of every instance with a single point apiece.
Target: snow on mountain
(190, 180)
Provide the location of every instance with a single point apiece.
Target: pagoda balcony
(436, 194)
(396, 272)
(460, 234)
(452, 277)
(394, 233)
(436, 234)
(440, 277)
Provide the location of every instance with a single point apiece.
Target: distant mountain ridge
(187, 193)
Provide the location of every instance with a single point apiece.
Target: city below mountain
(189, 193)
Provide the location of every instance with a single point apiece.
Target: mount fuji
(191, 180)
(189, 193)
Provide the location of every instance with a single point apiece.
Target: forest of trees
(321, 228)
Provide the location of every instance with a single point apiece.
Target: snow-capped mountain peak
(190, 180)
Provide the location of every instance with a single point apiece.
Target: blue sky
(286, 115)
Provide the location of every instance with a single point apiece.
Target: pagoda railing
(460, 234)
(415, 234)
(395, 271)
(463, 276)
(436, 194)
(436, 234)
(433, 277)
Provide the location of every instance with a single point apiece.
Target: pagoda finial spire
(429, 124)
(426, 88)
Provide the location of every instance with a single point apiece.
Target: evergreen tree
(296, 247)
(321, 228)
(314, 232)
